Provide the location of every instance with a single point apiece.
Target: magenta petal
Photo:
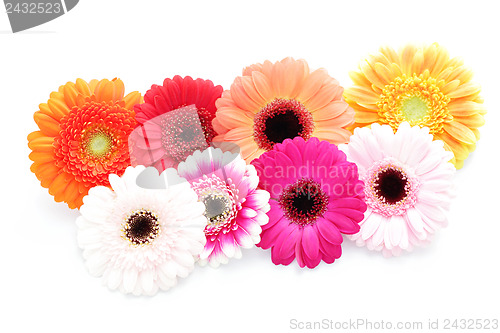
(310, 242)
(242, 237)
(299, 255)
(247, 212)
(311, 263)
(269, 236)
(353, 203)
(353, 214)
(329, 250)
(329, 232)
(257, 199)
(343, 223)
(288, 245)
(275, 213)
(208, 249)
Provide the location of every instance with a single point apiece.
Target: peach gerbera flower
(274, 102)
(83, 137)
(425, 87)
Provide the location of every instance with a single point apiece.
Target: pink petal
(243, 238)
(310, 242)
(288, 246)
(343, 223)
(329, 231)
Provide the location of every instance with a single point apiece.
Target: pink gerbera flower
(174, 121)
(234, 207)
(315, 197)
(408, 186)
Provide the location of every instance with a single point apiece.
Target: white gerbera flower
(140, 240)
(408, 186)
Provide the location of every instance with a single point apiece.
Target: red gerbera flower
(174, 121)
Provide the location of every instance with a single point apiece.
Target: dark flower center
(217, 208)
(142, 227)
(303, 202)
(391, 185)
(282, 119)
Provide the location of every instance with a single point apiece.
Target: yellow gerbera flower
(425, 87)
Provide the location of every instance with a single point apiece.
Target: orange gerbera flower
(83, 137)
(274, 102)
(425, 87)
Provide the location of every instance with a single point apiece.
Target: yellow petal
(466, 89)
(361, 95)
(460, 132)
(473, 121)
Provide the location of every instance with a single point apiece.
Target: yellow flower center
(98, 144)
(417, 100)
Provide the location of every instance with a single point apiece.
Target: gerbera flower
(424, 87)
(235, 209)
(83, 137)
(315, 197)
(139, 240)
(274, 102)
(175, 120)
(408, 184)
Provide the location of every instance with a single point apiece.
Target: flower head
(83, 137)
(408, 186)
(234, 207)
(139, 240)
(315, 197)
(273, 102)
(422, 86)
(174, 121)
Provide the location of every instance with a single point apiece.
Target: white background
(44, 284)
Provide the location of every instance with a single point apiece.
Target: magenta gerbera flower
(316, 196)
(234, 207)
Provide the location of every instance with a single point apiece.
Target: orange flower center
(279, 120)
(417, 100)
(93, 142)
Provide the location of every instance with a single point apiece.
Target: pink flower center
(279, 120)
(182, 133)
(303, 202)
(390, 187)
(220, 199)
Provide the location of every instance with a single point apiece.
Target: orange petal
(70, 92)
(46, 124)
(263, 86)
(41, 157)
(231, 119)
(58, 107)
(239, 133)
(366, 117)
(83, 87)
(35, 135)
(132, 99)
(324, 96)
(332, 110)
(312, 84)
(241, 99)
(332, 135)
(43, 144)
(252, 92)
(460, 132)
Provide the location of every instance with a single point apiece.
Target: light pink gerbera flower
(316, 197)
(408, 185)
(235, 208)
